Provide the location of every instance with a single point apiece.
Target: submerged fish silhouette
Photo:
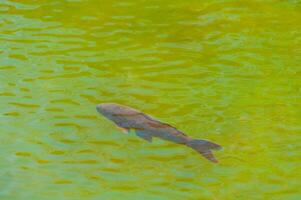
(146, 127)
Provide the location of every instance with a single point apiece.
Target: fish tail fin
(204, 147)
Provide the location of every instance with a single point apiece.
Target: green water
(227, 71)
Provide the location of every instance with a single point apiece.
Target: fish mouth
(99, 108)
(103, 107)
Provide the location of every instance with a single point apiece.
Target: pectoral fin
(144, 135)
(124, 130)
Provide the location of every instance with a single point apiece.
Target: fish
(147, 128)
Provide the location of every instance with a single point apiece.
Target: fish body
(147, 127)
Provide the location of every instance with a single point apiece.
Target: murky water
(228, 71)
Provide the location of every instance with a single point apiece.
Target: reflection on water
(222, 70)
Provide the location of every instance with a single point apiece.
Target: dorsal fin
(158, 124)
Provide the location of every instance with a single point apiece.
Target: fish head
(109, 110)
(119, 114)
(106, 109)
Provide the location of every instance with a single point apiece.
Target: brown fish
(146, 127)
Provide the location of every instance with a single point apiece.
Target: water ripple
(227, 71)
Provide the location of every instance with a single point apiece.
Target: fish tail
(204, 147)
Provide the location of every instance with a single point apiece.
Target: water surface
(227, 71)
